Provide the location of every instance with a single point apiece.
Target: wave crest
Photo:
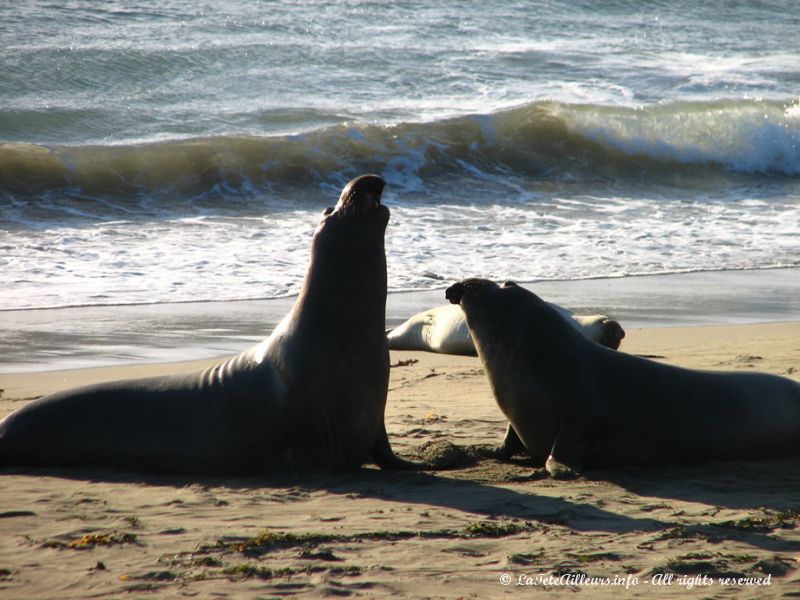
(541, 140)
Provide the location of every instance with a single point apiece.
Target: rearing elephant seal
(312, 394)
(575, 404)
(444, 329)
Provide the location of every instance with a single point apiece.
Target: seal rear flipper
(613, 334)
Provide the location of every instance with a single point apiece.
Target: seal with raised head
(312, 394)
(444, 329)
(574, 404)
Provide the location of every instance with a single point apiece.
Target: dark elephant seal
(444, 329)
(574, 404)
(312, 394)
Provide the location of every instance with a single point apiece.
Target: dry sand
(652, 532)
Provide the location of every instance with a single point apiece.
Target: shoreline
(85, 337)
(753, 346)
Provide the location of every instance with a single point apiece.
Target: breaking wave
(539, 141)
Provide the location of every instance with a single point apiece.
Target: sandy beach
(173, 174)
(722, 529)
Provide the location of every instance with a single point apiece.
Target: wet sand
(89, 336)
(635, 532)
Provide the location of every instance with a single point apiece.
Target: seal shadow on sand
(772, 484)
(700, 483)
(408, 487)
(718, 485)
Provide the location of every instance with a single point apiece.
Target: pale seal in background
(574, 404)
(312, 394)
(444, 329)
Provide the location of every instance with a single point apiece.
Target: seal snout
(454, 293)
(361, 194)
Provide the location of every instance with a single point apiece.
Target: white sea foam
(219, 258)
(745, 136)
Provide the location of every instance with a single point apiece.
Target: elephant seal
(574, 404)
(311, 395)
(444, 329)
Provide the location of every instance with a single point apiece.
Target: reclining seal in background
(444, 329)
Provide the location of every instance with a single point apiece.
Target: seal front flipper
(510, 446)
(569, 453)
(385, 458)
(437, 455)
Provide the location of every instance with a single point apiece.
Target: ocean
(183, 151)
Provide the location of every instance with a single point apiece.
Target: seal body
(444, 329)
(312, 394)
(574, 404)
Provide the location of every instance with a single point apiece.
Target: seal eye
(327, 211)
